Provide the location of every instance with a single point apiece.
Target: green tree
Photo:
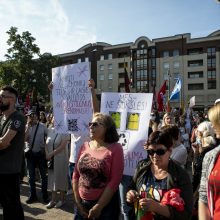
(25, 68)
(45, 63)
(20, 55)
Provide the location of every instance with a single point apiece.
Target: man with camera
(35, 136)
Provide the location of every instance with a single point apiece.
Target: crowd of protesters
(178, 179)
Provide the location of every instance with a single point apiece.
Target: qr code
(72, 125)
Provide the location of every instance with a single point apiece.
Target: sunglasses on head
(159, 152)
(94, 124)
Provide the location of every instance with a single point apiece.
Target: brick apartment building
(149, 62)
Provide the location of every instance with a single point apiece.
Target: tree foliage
(25, 68)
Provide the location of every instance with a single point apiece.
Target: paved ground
(38, 210)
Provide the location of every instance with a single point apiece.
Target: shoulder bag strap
(32, 145)
(54, 141)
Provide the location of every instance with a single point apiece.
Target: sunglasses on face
(94, 124)
(159, 152)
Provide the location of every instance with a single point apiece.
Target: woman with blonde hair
(205, 141)
(209, 191)
(167, 119)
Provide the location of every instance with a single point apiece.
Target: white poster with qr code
(72, 103)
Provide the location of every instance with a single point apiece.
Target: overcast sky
(62, 26)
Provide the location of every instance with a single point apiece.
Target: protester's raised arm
(95, 101)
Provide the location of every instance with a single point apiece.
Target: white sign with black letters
(131, 113)
(72, 104)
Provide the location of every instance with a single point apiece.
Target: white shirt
(75, 145)
(179, 154)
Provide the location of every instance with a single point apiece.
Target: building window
(153, 52)
(153, 62)
(142, 62)
(211, 51)
(145, 74)
(109, 56)
(211, 62)
(166, 65)
(138, 74)
(121, 75)
(101, 67)
(195, 63)
(79, 60)
(101, 77)
(153, 73)
(166, 53)
(196, 86)
(142, 85)
(110, 76)
(212, 84)
(194, 75)
(110, 85)
(176, 64)
(176, 52)
(211, 74)
(122, 65)
(110, 66)
(141, 53)
(86, 59)
(102, 57)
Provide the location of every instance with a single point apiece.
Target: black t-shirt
(11, 157)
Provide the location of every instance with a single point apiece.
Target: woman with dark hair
(98, 171)
(159, 183)
(43, 117)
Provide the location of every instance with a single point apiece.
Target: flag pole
(180, 97)
(168, 99)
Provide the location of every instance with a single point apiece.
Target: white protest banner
(72, 104)
(192, 101)
(131, 113)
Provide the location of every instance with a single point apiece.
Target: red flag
(127, 81)
(27, 104)
(160, 97)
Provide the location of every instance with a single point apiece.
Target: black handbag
(27, 152)
(50, 163)
(28, 149)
